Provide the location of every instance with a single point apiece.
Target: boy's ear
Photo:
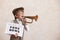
(16, 16)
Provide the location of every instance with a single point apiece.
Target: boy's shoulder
(12, 21)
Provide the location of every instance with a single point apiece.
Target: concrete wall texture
(46, 28)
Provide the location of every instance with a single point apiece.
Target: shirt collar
(19, 21)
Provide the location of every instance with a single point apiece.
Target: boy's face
(19, 14)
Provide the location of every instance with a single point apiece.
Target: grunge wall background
(46, 28)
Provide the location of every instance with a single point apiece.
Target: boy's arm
(26, 27)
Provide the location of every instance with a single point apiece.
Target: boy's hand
(16, 34)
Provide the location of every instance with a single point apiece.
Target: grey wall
(46, 28)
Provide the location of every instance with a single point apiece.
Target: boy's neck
(19, 19)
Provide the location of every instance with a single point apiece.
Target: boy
(18, 13)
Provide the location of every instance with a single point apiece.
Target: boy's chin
(20, 18)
